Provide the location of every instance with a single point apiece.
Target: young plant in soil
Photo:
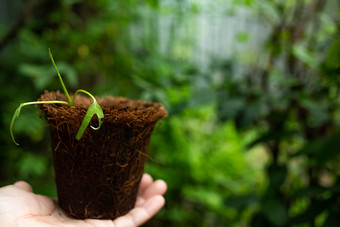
(94, 108)
(97, 176)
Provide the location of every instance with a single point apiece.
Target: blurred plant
(282, 105)
(292, 100)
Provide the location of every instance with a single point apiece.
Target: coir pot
(98, 176)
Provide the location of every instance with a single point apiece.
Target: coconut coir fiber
(98, 176)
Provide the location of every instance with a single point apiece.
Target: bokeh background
(251, 86)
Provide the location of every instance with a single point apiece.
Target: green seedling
(94, 108)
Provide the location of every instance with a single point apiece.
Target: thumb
(23, 185)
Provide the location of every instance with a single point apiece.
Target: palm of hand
(19, 206)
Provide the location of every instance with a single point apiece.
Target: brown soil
(98, 176)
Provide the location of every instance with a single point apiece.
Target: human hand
(19, 206)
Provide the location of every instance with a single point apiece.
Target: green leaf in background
(277, 175)
(71, 2)
(242, 37)
(275, 212)
(315, 209)
(305, 55)
(243, 2)
(153, 3)
(333, 58)
(332, 219)
(43, 75)
(310, 192)
(32, 165)
(323, 149)
(318, 111)
(242, 201)
(40, 75)
(268, 137)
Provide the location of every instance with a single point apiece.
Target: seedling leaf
(99, 113)
(17, 113)
(94, 109)
(61, 79)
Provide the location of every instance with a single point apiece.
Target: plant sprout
(94, 108)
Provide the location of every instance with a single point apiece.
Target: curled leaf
(15, 116)
(100, 115)
(17, 113)
(94, 109)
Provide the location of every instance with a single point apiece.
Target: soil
(98, 176)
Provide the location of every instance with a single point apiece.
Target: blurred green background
(251, 86)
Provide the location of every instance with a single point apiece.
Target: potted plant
(98, 171)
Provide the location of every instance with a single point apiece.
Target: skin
(19, 206)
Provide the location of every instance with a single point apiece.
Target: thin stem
(61, 80)
(83, 91)
(43, 102)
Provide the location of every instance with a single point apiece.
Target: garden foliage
(252, 139)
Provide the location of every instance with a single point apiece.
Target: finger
(140, 215)
(23, 185)
(101, 223)
(158, 187)
(145, 183)
(45, 205)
